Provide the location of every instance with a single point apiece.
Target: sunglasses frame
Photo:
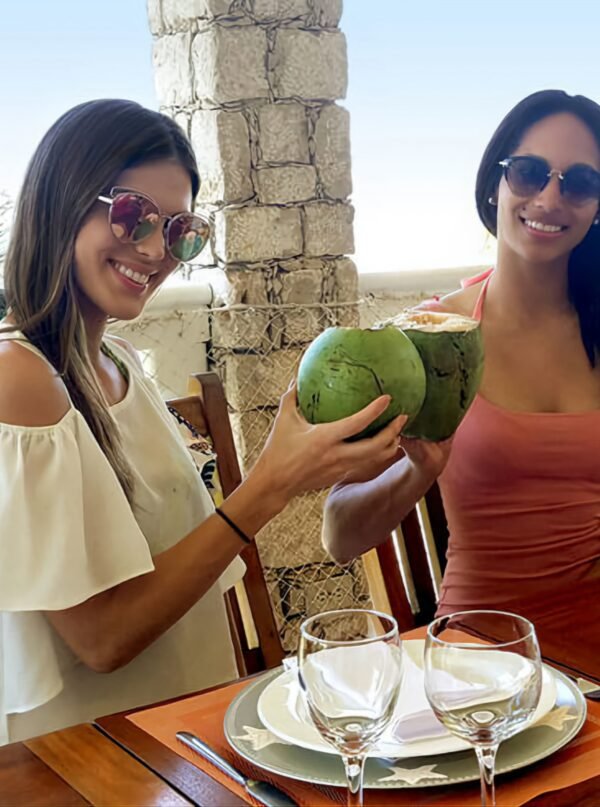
(509, 161)
(168, 220)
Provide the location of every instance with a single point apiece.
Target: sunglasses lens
(187, 236)
(133, 217)
(526, 176)
(581, 185)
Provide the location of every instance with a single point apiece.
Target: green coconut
(344, 369)
(451, 349)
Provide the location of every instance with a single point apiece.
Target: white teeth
(545, 228)
(129, 273)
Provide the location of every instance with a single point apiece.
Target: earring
(596, 222)
(492, 201)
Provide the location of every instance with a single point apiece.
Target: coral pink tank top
(521, 493)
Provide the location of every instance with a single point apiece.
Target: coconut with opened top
(429, 362)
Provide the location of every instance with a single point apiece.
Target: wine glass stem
(355, 767)
(486, 756)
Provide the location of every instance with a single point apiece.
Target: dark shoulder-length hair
(81, 156)
(584, 261)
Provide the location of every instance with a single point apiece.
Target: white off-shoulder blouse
(67, 532)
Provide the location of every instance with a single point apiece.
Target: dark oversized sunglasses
(527, 176)
(133, 217)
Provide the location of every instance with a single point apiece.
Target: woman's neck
(95, 322)
(94, 338)
(528, 291)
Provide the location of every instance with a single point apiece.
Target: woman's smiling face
(545, 227)
(102, 261)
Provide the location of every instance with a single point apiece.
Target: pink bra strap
(478, 310)
(485, 276)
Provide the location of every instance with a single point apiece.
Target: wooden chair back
(413, 559)
(254, 630)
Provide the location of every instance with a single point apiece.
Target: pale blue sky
(429, 82)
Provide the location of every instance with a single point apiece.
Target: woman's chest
(539, 371)
(170, 499)
(499, 455)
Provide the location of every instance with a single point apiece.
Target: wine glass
(349, 670)
(483, 679)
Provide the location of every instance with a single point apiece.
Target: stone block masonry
(257, 84)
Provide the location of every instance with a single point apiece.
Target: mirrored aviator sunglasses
(528, 176)
(133, 217)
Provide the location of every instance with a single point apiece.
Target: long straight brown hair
(80, 157)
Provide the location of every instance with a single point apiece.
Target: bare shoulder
(31, 392)
(128, 348)
(462, 301)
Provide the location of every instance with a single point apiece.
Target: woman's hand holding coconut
(299, 456)
(426, 457)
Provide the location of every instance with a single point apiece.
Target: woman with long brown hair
(112, 559)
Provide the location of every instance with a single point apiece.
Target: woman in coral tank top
(520, 480)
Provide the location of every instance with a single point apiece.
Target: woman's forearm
(360, 516)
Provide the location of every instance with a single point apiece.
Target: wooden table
(79, 766)
(115, 763)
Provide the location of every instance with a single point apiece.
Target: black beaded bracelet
(233, 526)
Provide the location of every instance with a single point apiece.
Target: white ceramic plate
(281, 709)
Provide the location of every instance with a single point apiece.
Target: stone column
(255, 85)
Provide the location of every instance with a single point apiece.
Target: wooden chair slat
(416, 556)
(207, 412)
(416, 551)
(390, 569)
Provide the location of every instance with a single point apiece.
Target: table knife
(264, 792)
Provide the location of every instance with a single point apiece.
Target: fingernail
(399, 424)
